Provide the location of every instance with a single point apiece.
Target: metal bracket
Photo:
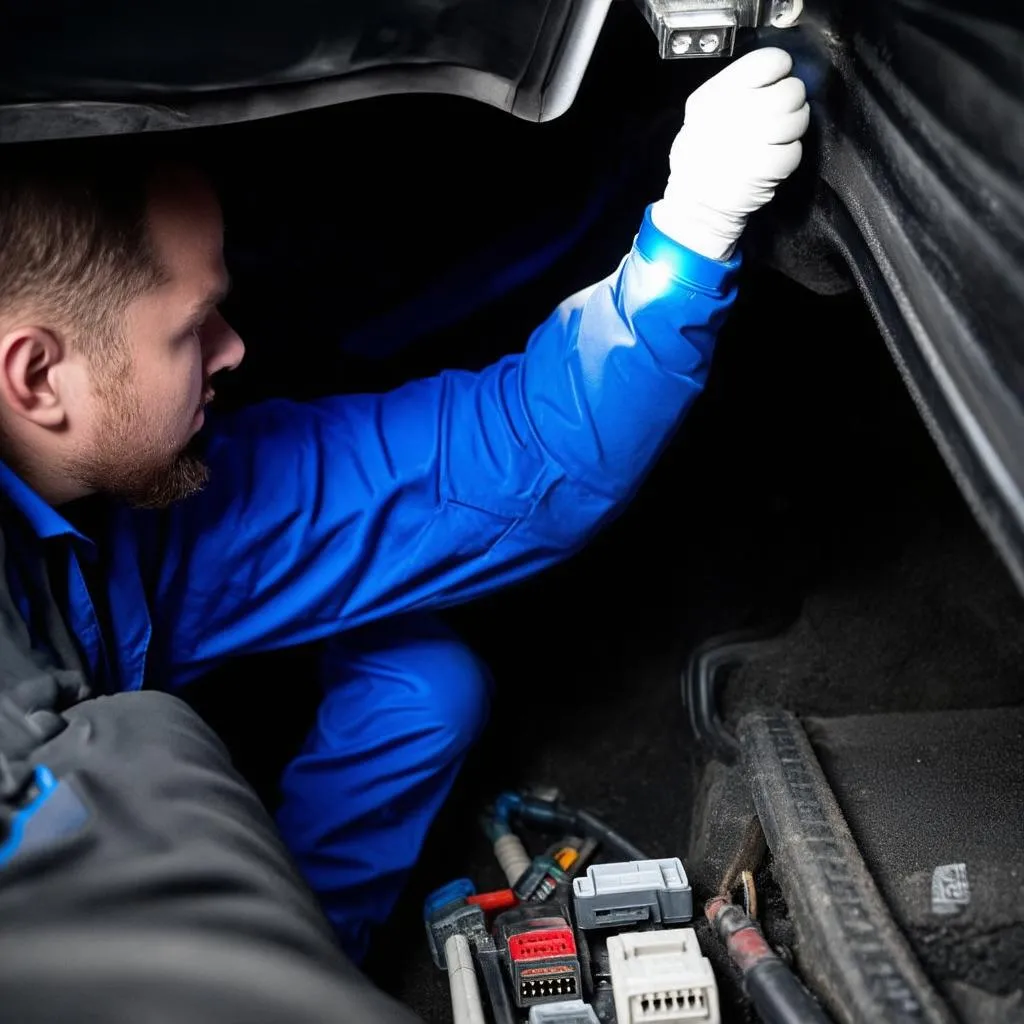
(707, 28)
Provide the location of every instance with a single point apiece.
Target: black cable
(593, 826)
(547, 815)
(779, 997)
(489, 962)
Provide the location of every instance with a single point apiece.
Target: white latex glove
(740, 139)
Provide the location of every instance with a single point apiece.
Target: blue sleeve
(325, 516)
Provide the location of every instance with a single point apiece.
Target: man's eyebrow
(219, 294)
(201, 310)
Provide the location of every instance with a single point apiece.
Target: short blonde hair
(74, 240)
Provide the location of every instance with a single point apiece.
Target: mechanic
(169, 549)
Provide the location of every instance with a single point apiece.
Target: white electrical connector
(662, 977)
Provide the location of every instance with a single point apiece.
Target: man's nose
(224, 349)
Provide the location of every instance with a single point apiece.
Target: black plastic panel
(69, 69)
(125, 50)
(923, 146)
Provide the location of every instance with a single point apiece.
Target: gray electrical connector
(707, 28)
(454, 919)
(633, 892)
(572, 1011)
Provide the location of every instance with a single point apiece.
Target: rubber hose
(512, 857)
(775, 991)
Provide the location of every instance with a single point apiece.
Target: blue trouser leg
(402, 704)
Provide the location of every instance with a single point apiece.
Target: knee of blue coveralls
(403, 703)
(457, 688)
(445, 687)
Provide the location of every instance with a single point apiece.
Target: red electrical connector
(542, 944)
(541, 952)
(494, 902)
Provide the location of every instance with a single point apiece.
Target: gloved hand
(739, 140)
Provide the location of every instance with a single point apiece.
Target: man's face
(140, 418)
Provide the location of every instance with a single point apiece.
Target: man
(171, 548)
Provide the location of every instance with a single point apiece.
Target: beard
(143, 475)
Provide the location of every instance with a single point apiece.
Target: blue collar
(45, 521)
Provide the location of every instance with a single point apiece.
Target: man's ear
(29, 360)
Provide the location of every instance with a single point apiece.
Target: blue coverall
(323, 520)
